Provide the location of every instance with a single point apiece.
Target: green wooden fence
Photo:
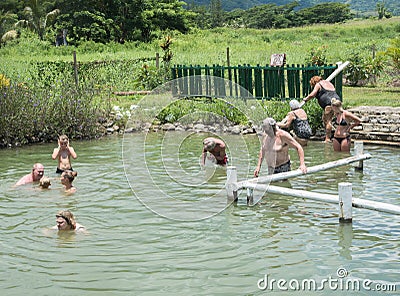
(260, 82)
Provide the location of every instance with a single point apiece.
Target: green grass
(371, 96)
(246, 46)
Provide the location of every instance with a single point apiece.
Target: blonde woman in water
(345, 121)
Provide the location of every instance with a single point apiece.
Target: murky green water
(166, 228)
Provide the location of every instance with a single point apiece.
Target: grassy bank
(21, 61)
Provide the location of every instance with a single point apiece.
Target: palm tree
(37, 18)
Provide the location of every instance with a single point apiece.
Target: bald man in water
(36, 174)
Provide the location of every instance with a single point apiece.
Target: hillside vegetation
(359, 7)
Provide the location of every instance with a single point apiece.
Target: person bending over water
(275, 149)
(63, 153)
(341, 138)
(297, 119)
(217, 148)
(324, 91)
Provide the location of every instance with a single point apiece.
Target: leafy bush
(362, 70)
(317, 56)
(393, 52)
(30, 115)
(208, 111)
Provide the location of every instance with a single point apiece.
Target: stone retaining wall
(380, 125)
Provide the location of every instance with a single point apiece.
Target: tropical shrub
(30, 115)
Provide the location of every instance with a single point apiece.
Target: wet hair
(68, 217)
(70, 175)
(209, 144)
(314, 80)
(44, 182)
(269, 122)
(337, 103)
(294, 104)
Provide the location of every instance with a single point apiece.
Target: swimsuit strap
(295, 114)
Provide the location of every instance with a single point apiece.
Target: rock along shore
(379, 125)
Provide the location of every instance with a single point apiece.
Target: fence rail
(260, 82)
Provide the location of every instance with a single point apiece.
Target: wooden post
(75, 68)
(231, 188)
(228, 59)
(345, 203)
(359, 149)
(157, 60)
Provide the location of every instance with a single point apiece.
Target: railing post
(345, 203)
(231, 175)
(359, 149)
(250, 194)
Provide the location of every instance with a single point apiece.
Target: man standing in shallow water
(63, 153)
(275, 149)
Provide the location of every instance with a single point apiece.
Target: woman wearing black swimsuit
(298, 121)
(324, 91)
(341, 139)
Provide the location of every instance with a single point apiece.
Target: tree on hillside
(7, 21)
(119, 20)
(382, 11)
(328, 13)
(36, 17)
(165, 15)
(216, 13)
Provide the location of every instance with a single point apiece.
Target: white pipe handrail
(329, 198)
(298, 172)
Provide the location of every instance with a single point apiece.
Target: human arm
(287, 121)
(294, 144)
(56, 151)
(355, 120)
(261, 156)
(203, 157)
(312, 94)
(72, 152)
